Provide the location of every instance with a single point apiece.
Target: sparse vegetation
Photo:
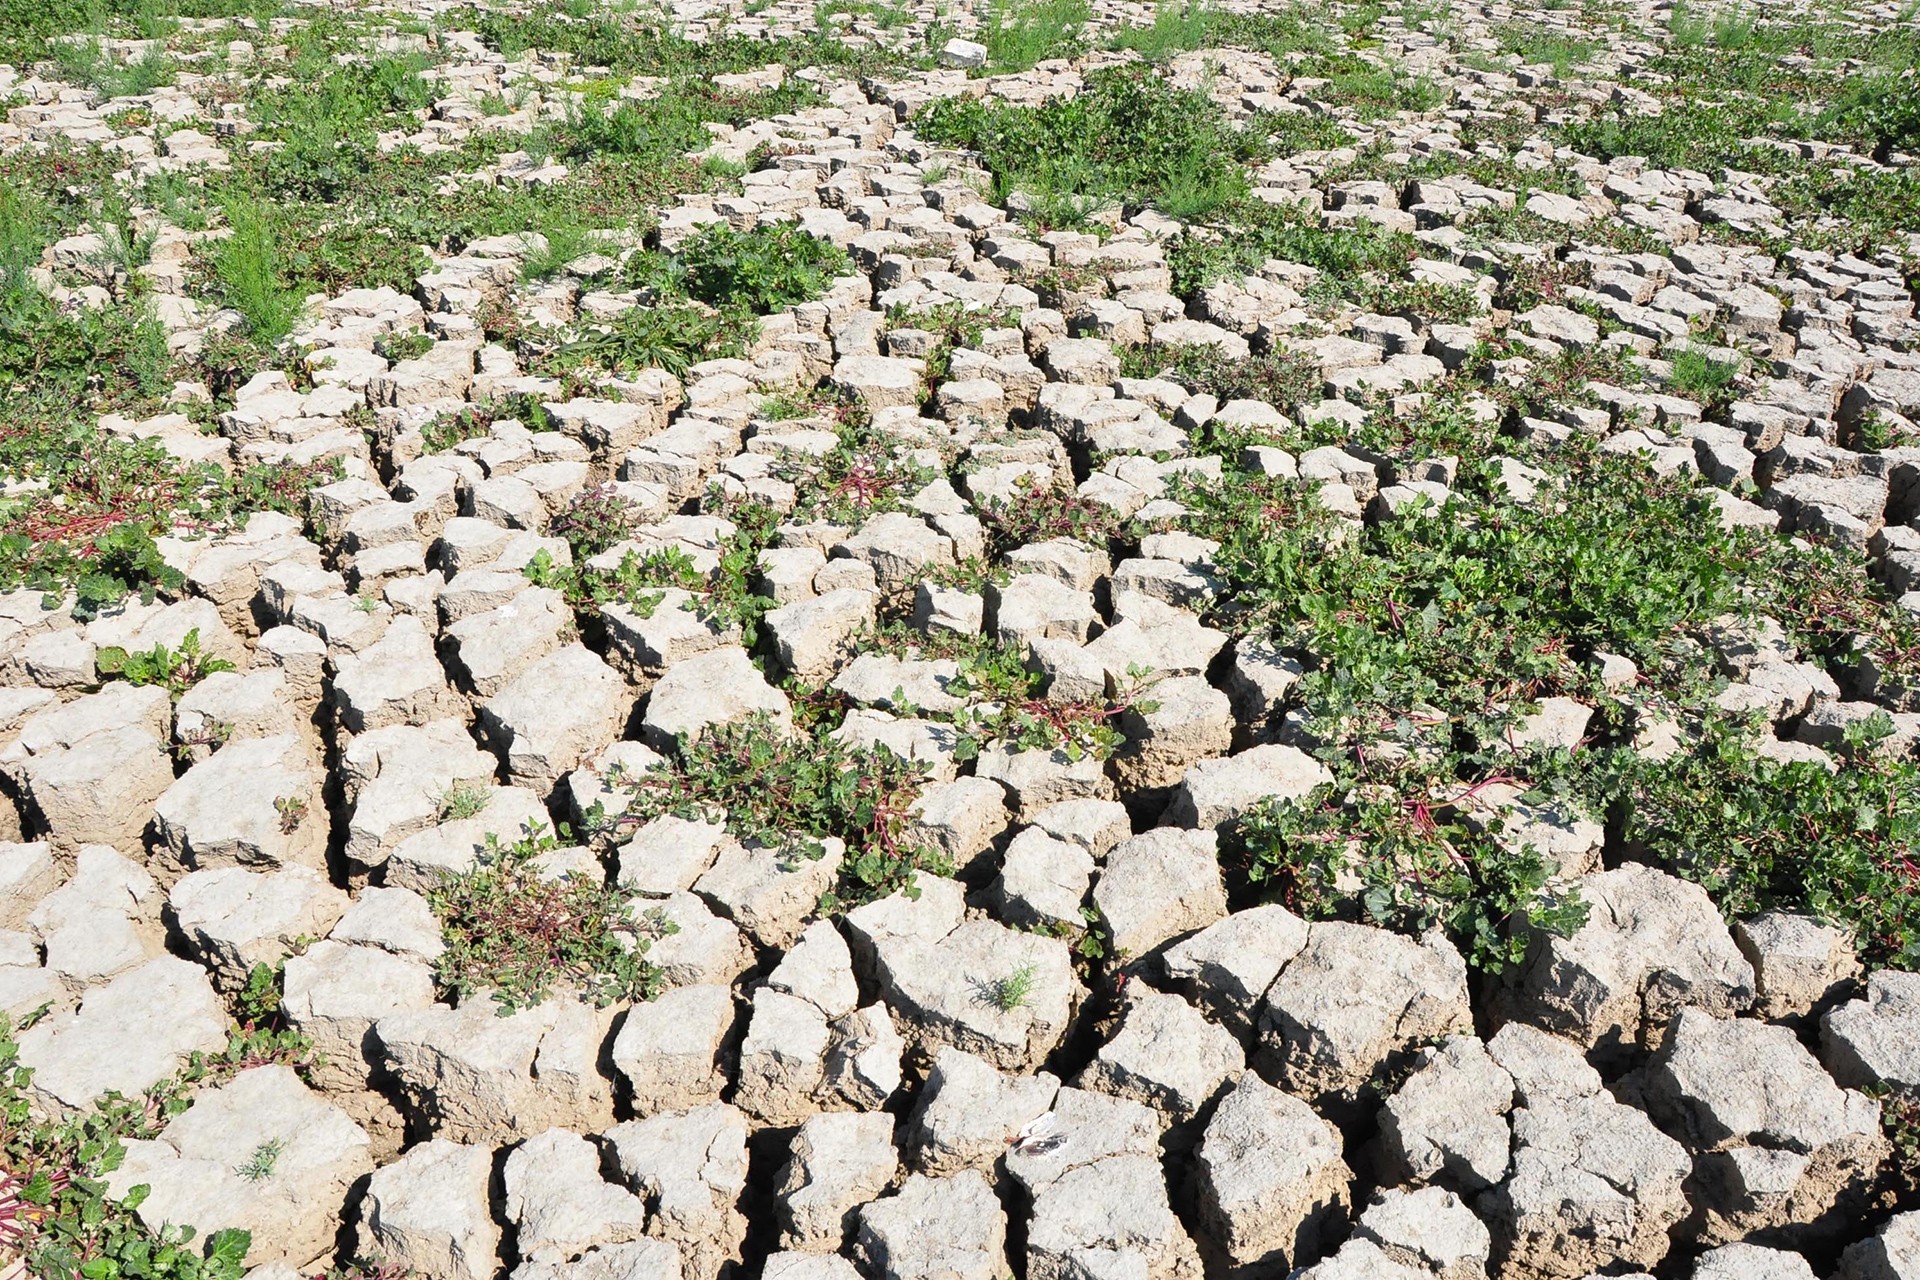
(1012, 991)
(515, 930)
(176, 671)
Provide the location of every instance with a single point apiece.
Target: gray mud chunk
(950, 1228)
(968, 1112)
(1652, 944)
(1448, 1123)
(238, 918)
(714, 688)
(1215, 793)
(474, 1076)
(1891, 1253)
(1741, 1261)
(668, 1049)
(1431, 1228)
(1183, 722)
(1876, 1041)
(690, 1167)
(770, 891)
(333, 994)
(563, 709)
(782, 1058)
(256, 802)
(1352, 1001)
(559, 1204)
(1167, 1055)
(428, 1212)
(1113, 1214)
(1797, 962)
(1227, 967)
(1592, 1184)
(1042, 881)
(262, 1152)
(1273, 1187)
(1159, 885)
(1782, 1151)
(1004, 995)
(839, 1161)
(128, 1035)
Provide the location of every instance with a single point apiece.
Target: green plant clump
(1761, 834)
(174, 671)
(1130, 139)
(516, 932)
(793, 792)
(1401, 850)
(57, 1215)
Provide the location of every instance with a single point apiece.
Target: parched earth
(942, 643)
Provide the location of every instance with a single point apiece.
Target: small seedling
(1013, 991)
(259, 1165)
(462, 800)
(292, 811)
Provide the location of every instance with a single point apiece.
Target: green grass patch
(1130, 139)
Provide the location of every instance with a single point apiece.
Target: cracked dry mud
(939, 642)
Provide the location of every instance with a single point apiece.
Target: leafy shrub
(1880, 112)
(724, 598)
(108, 357)
(1040, 512)
(1284, 379)
(515, 932)
(1261, 231)
(445, 430)
(595, 520)
(662, 130)
(1468, 615)
(668, 337)
(1760, 834)
(865, 474)
(1708, 136)
(249, 268)
(1826, 602)
(1375, 91)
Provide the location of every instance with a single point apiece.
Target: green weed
(1011, 992)
(457, 803)
(1130, 138)
(176, 672)
(249, 267)
(517, 933)
(259, 1166)
(1699, 376)
(792, 791)
(1018, 36)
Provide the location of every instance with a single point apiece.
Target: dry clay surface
(1161, 928)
